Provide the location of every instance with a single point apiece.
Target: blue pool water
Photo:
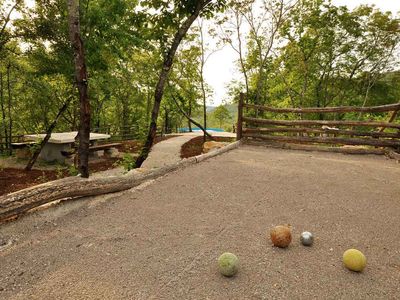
(186, 129)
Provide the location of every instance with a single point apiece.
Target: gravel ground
(161, 240)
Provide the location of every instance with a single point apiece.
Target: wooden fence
(323, 133)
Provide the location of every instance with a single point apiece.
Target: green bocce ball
(228, 264)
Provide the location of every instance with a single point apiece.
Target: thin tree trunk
(3, 111)
(190, 115)
(82, 84)
(166, 126)
(239, 50)
(148, 106)
(203, 89)
(3, 37)
(204, 110)
(10, 123)
(159, 91)
(190, 119)
(277, 22)
(47, 137)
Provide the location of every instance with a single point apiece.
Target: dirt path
(161, 241)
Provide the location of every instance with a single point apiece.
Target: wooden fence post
(240, 118)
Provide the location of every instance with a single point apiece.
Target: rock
(112, 152)
(212, 145)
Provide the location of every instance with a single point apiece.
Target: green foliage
(222, 114)
(73, 171)
(327, 62)
(34, 147)
(42, 178)
(322, 55)
(60, 172)
(127, 162)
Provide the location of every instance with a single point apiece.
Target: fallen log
(72, 187)
(21, 201)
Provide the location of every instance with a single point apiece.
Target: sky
(220, 68)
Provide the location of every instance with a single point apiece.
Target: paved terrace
(161, 240)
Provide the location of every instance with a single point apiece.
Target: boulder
(212, 145)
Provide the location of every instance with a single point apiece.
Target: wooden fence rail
(339, 109)
(320, 122)
(322, 131)
(327, 134)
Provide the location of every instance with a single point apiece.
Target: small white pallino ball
(307, 238)
(228, 264)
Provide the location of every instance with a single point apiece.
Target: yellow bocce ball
(354, 260)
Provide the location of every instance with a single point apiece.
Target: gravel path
(164, 153)
(161, 240)
(169, 151)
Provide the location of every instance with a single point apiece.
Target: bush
(127, 162)
(73, 171)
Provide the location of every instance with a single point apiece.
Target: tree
(324, 60)
(191, 10)
(36, 153)
(222, 114)
(231, 32)
(263, 37)
(203, 61)
(82, 85)
(5, 18)
(205, 54)
(185, 78)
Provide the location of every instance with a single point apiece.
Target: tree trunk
(9, 109)
(191, 120)
(6, 20)
(159, 91)
(190, 115)
(148, 104)
(166, 125)
(82, 84)
(3, 111)
(203, 89)
(126, 112)
(204, 110)
(240, 51)
(47, 137)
